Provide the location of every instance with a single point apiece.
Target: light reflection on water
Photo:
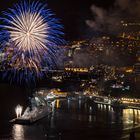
(18, 132)
(78, 114)
(131, 116)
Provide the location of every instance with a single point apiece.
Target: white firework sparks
(33, 33)
(32, 30)
(28, 32)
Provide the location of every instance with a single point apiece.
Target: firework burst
(31, 30)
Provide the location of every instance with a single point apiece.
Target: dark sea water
(74, 119)
(10, 97)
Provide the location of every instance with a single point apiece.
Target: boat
(37, 110)
(31, 116)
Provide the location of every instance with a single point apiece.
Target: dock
(103, 103)
(134, 107)
(122, 106)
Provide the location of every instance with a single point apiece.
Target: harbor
(79, 115)
(45, 102)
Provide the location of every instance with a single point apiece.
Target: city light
(81, 84)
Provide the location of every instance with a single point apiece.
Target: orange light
(129, 70)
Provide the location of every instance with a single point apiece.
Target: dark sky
(72, 13)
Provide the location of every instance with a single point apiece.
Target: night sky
(72, 13)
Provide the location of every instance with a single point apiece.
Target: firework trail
(33, 34)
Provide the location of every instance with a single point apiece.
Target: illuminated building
(77, 69)
(137, 65)
(130, 30)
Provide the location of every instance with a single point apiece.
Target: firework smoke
(107, 21)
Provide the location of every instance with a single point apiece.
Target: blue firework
(34, 35)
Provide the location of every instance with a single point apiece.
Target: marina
(78, 115)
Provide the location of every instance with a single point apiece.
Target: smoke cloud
(108, 20)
